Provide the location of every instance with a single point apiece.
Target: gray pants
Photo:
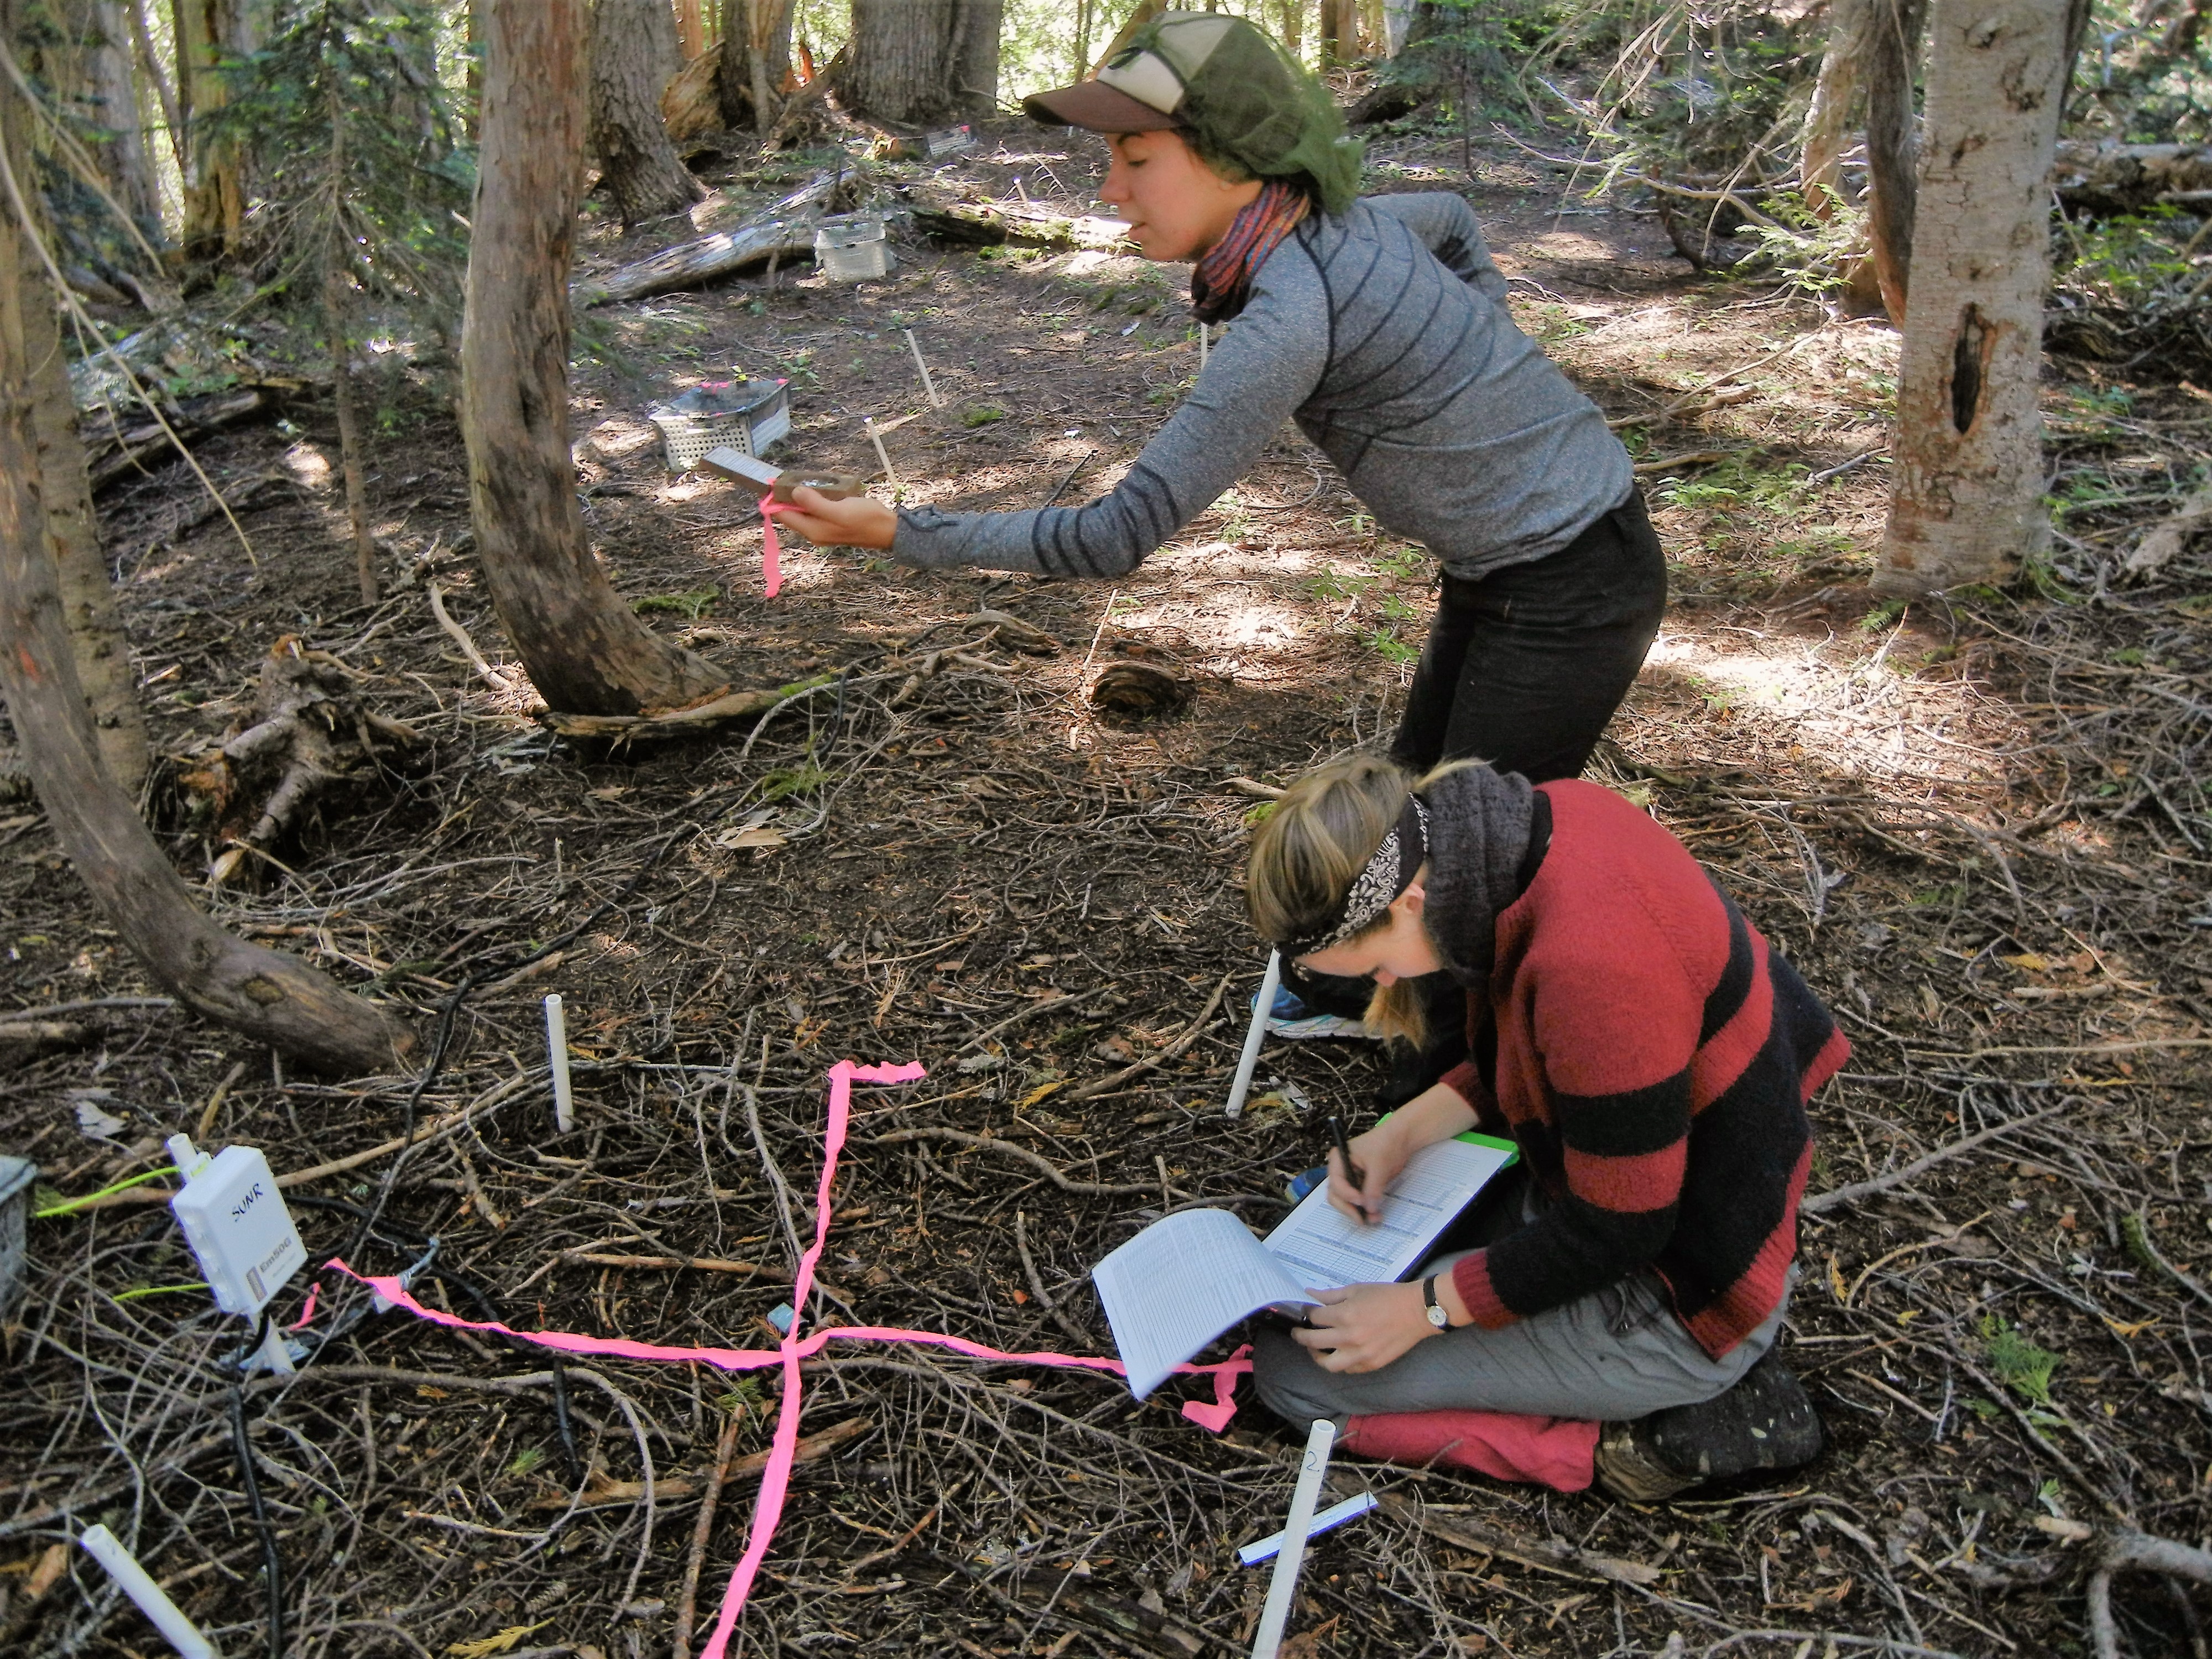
(1612, 1356)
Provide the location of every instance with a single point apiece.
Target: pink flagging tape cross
(771, 549)
(775, 1478)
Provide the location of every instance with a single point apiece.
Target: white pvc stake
(1270, 982)
(928, 384)
(1203, 330)
(105, 1547)
(1280, 1588)
(876, 437)
(557, 1050)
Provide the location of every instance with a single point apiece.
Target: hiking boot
(1765, 1422)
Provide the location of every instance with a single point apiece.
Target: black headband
(1388, 874)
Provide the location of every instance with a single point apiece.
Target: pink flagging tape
(775, 1478)
(771, 549)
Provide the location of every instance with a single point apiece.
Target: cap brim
(1098, 107)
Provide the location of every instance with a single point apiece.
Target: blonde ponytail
(1311, 850)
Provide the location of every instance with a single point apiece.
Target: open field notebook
(1188, 1278)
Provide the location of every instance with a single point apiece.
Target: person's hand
(1380, 1154)
(1363, 1327)
(856, 521)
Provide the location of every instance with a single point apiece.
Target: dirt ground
(1976, 825)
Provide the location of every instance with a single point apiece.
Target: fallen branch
(1837, 1197)
(1190, 1034)
(774, 234)
(2165, 539)
(678, 723)
(1044, 1167)
(491, 676)
(1551, 1555)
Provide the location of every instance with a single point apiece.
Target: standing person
(1379, 324)
(1648, 1052)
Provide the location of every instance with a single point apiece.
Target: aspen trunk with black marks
(1967, 501)
(921, 61)
(585, 650)
(262, 994)
(1893, 55)
(214, 184)
(637, 164)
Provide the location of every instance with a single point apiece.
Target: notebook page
(1323, 1248)
(1180, 1283)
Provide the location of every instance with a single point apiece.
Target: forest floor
(1977, 827)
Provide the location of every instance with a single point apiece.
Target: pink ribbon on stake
(771, 549)
(775, 1478)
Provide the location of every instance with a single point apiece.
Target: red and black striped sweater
(1652, 1059)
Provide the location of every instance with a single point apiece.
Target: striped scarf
(1222, 281)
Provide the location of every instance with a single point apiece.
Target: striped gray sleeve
(1266, 365)
(1446, 225)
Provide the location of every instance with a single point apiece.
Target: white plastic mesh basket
(759, 413)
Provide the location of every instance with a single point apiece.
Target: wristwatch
(1435, 1310)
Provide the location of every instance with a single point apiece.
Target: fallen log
(986, 224)
(785, 231)
(131, 440)
(2094, 178)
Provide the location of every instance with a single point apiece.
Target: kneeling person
(1650, 1056)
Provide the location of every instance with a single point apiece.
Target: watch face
(1437, 1317)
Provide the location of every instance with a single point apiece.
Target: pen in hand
(1351, 1172)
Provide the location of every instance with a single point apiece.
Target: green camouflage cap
(1247, 106)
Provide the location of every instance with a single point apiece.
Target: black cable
(837, 720)
(272, 1568)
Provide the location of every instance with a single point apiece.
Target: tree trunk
(1421, 68)
(265, 995)
(690, 29)
(1339, 32)
(916, 62)
(338, 309)
(214, 191)
(86, 64)
(637, 163)
(1967, 504)
(1290, 24)
(98, 645)
(1828, 118)
(756, 53)
(587, 650)
(1893, 53)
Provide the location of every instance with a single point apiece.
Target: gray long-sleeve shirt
(1384, 333)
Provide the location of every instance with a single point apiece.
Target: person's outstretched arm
(1263, 369)
(1448, 227)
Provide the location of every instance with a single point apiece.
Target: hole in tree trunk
(1967, 368)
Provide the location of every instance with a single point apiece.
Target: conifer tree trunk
(921, 61)
(1339, 32)
(1893, 55)
(87, 66)
(755, 48)
(585, 650)
(637, 163)
(215, 189)
(1967, 503)
(262, 994)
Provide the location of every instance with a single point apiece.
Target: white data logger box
(236, 1220)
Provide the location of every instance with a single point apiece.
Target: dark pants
(1522, 668)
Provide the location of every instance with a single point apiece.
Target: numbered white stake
(557, 1052)
(928, 384)
(1270, 982)
(876, 437)
(1284, 1583)
(105, 1547)
(1203, 330)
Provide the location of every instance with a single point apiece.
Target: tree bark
(1339, 32)
(587, 650)
(1828, 118)
(1421, 68)
(756, 60)
(690, 29)
(98, 645)
(916, 62)
(265, 995)
(214, 186)
(637, 164)
(1893, 53)
(87, 66)
(1967, 504)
